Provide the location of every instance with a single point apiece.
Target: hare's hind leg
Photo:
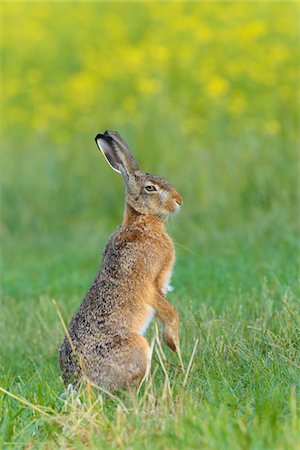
(125, 365)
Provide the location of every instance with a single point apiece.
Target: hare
(105, 341)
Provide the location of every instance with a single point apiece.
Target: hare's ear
(117, 153)
(105, 144)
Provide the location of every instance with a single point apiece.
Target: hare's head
(145, 193)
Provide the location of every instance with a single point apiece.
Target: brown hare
(107, 343)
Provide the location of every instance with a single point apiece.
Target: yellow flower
(216, 86)
(252, 30)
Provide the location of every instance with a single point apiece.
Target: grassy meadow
(206, 95)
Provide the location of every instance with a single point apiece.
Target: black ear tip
(99, 136)
(104, 136)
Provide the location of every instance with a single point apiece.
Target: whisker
(186, 248)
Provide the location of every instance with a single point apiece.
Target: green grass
(236, 237)
(235, 289)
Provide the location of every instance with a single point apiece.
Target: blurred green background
(205, 94)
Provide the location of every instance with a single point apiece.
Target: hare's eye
(150, 188)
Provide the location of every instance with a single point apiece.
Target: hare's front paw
(170, 338)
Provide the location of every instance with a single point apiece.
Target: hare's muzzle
(178, 199)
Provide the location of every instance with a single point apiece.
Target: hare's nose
(179, 200)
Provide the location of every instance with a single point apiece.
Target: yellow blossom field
(206, 94)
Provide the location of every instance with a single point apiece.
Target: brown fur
(106, 330)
